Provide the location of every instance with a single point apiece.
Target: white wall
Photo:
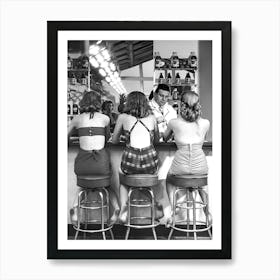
(255, 125)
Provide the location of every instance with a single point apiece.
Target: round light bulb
(93, 62)
(99, 58)
(106, 54)
(113, 66)
(102, 72)
(93, 50)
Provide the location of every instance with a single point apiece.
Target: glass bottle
(175, 63)
(69, 62)
(83, 79)
(178, 79)
(159, 63)
(192, 60)
(188, 78)
(169, 78)
(161, 78)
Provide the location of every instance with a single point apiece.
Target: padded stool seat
(139, 180)
(96, 181)
(188, 181)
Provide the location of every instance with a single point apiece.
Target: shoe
(74, 216)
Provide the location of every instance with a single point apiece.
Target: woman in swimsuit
(140, 129)
(189, 131)
(93, 157)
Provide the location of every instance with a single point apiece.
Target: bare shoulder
(103, 117)
(205, 123)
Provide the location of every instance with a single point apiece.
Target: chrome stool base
(190, 184)
(140, 183)
(94, 185)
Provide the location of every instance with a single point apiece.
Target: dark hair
(162, 87)
(90, 103)
(190, 107)
(106, 104)
(137, 105)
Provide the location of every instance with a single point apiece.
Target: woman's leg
(170, 189)
(115, 205)
(123, 202)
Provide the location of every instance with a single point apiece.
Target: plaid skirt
(139, 161)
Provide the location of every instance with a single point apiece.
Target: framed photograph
(139, 140)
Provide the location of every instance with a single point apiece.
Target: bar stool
(142, 183)
(93, 186)
(190, 185)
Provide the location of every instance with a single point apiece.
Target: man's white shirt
(166, 111)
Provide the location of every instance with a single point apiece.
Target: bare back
(189, 132)
(139, 134)
(91, 142)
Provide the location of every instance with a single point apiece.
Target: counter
(165, 151)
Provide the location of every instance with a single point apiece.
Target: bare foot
(169, 222)
(114, 217)
(123, 215)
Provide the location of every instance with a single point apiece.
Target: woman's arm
(118, 130)
(168, 132)
(156, 131)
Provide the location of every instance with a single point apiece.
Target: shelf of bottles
(78, 83)
(178, 73)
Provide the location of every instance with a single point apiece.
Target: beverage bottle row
(81, 62)
(177, 79)
(175, 62)
(75, 78)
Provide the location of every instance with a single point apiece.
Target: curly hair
(90, 103)
(190, 107)
(137, 105)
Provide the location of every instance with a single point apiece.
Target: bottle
(188, 78)
(169, 78)
(69, 62)
(177, 79)
(175, 60)
(70, 105)
(192, 60)
(159, 63)
(161, 79)
(83, 79)
(73, 79)
(175, 94)
(75, 109)
(85, 62)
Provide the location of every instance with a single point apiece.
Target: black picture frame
(53, 27)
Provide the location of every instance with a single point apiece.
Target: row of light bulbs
(99, 57)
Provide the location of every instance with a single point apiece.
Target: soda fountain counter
(165, 151)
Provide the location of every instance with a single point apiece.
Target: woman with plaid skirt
(139, 126)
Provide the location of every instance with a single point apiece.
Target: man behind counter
(161, 109)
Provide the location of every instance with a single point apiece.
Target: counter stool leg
(194, 214)
(102, 213)
(153, 212)
(108, 211)
(173, 209)
(128, 214)
(86, 213)
(188, 211)
(78, 214)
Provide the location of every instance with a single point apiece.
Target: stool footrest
(143, 226)
(92, 230)
(191, 230)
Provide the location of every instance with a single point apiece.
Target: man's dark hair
(162, 87)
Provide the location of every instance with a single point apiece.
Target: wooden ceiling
(130, 53)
